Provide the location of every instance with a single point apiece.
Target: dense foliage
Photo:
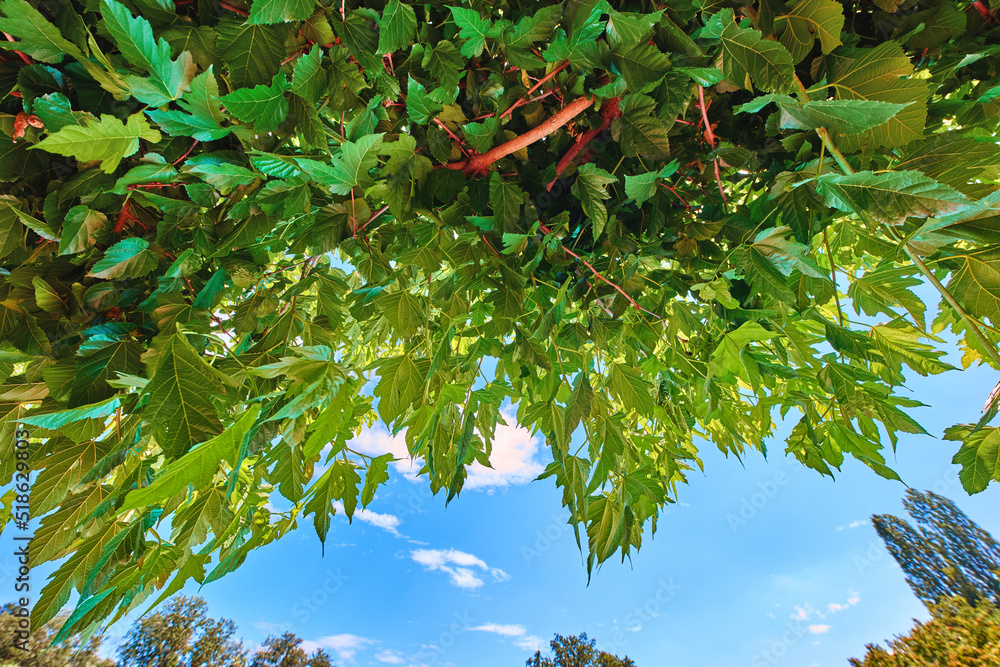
(39, 650)
(946, 554)
(577, 651)
(645, 224)
(957, 634)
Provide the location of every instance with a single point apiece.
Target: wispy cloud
(390, 657)
(521, 637)
(387, 522)
(513, 455)
(852, 525)
(345, 646)
(460, 566)
(272, 628)
(819, 629)
(505, 630)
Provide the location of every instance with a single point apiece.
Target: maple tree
(647, 225)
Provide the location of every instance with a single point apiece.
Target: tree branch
(479, 165)
(609, 111)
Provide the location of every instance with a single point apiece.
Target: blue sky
(762, 563)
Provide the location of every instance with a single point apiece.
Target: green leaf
(976, 284)
(808, 21)
(223, 175)
(80, 229)
(39, 39)
(749, 60)
(378, 473)
(110, 140)
(56, 420)
(631, 389)
(419, 107)
(965, 163)
(846, 116)
(874, 74)
(252, 52)
(129, 258)
(591, 189)
(474, 29)
(309, 79)
(980, 460)
(397, 27)
(180, 393)
(197, 468)
(280, 11)
(339, 482)
(204, 115)
(883, 290)
(642, 187)
(506, 198)
(134, 37)
(641, 66)
(890, 197)
(639, 131)
(352, 165)
(264, 106)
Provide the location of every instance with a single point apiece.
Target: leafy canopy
(648, 226)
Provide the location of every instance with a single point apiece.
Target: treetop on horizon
(646, 224)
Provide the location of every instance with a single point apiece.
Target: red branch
(23, 57)
(479, 165)
(541, 82)
(186, 153)
(609, 111)
(597, 274)
(710, 135)
(226, 5)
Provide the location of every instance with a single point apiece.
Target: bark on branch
(479, 165)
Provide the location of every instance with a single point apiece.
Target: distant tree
(577, 651)
(182, 635)
(73, 652)
(946, 554)
(284, 651)
(957, 635)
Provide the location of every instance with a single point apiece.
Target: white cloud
(834, 607)
(513, 455)
(852, 525)
(377, 440)
(819, 629)
(273, 628)
(345, 646)
(854, 599)
(390, 657)
(387, 522)
(505, 630)
(530, 643)
(458, 565)
(521, 637)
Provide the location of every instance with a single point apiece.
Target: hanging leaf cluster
(233, 234)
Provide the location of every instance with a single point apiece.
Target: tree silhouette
(577, 651)
(284, 651)
(945, 554)
(958, 635)
(182, 635)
